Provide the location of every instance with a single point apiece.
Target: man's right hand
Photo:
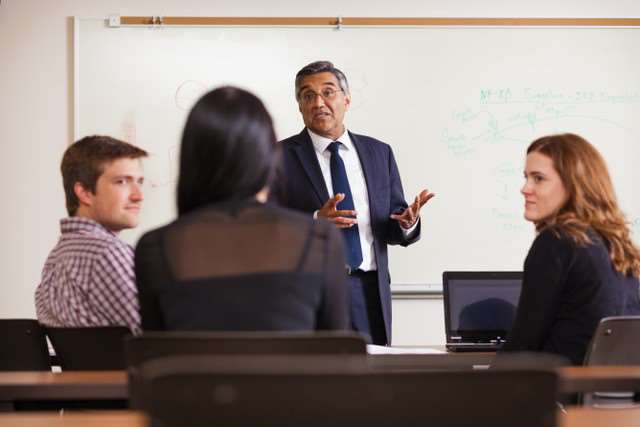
(341, 219)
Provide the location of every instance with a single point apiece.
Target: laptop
(479, 308)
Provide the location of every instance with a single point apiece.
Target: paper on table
(380, 349)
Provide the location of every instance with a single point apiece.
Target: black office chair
(24, 346)
(334, 390)
(171, 343)
(99, 348)
(615, 342)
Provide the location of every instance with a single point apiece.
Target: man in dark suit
(353, 181)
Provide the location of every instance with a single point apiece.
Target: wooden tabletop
(575, 379)
(103, 385)
(81, 385)
(75, 419)
(589, 417)
(574, 417)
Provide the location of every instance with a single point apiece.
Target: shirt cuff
(409, 232)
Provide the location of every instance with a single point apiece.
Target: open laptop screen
(480, 306)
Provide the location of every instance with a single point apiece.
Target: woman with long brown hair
(582, 266)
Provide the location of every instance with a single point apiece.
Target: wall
(36, 103)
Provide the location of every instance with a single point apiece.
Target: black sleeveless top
(242, 266)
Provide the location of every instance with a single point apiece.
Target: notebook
(479, 308)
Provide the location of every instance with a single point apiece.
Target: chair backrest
(156, 344)
(96, 348)
(24, 346)
(615, 342)
(337, 391)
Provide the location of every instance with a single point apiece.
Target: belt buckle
(349, 270)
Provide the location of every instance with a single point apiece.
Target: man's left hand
(411, 214)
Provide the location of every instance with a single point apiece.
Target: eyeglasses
(327, 94)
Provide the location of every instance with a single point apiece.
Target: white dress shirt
(358, 186)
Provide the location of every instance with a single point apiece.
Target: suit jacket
(567, 289)
(301, 186)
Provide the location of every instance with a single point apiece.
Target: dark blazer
(301, 186)
(566, 290)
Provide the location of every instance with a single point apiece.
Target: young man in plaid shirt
(88, 278)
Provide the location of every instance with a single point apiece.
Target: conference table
(579, 379)
(112, 385)
(101, 385)
(590, 417)
(75, 419)
(574, 417)
(71, 385)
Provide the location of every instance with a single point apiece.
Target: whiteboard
(459, 105)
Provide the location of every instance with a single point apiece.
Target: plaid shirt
(88, 279)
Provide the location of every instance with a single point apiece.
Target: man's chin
(322, 125)
(123, 225)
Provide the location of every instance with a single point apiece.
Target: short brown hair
(85, 160)
(592, 201)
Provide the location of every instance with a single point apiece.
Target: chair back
(335, 390)
(24, 346)
(615, 342)
(99, 348)
(156, 344)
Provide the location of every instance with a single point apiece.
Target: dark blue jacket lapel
(307, 156)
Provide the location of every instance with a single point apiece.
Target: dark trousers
(366, 310)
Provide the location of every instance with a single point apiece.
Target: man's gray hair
(321, 67)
